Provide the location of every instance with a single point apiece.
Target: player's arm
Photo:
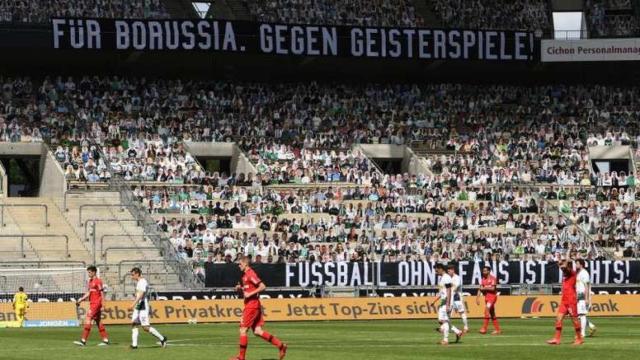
(587, 294)
(15, 300)
(139, 295)
(261, 288)
(479, 294)
(449, 293)
(83, 297)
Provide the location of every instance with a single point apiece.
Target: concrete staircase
(119, 241)
(48, 243)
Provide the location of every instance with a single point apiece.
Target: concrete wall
(382, 151)
(32, 149)
(566, 5)
(414, 164)
(4, 182)
(52, 181)
(239, 162)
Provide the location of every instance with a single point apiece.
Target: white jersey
(582, 282)
(143, 287)
(456, 287)
(443, 285)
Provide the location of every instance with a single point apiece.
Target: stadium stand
(494, 14)
(39, 11)
(508, 170)
(611, 18)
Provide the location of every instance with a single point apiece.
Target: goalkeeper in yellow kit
(20, 304)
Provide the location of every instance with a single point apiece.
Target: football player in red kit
(252, 317)
(488, 288)
(568, 304)
(94, 294)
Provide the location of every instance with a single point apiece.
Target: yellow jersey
(20, 299)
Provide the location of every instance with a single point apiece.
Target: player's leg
(135, 321)
(19, 310)
(259, 331)
(248, 318)
(487, 316)
(592, 326)
(582, 316)
(146, 326)
(463, 315)
(573, 312)
(453, 328)
(494, 319)
(558, 334)
(102, 330)
(86, 330)
(443, 318)
(244, 343)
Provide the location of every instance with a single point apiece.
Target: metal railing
(23, 237)
(79, 192)
(46, 211)
(125, 266)
(142, 236)
(151, 229)
(122, 207)
(111, 249)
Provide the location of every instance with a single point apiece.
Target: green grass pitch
(617, 338)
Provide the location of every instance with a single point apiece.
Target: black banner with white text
(306, 274)
(292, 39)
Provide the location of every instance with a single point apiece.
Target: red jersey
(569, 295)
(250, 282)
(95, 292)
(490, 295)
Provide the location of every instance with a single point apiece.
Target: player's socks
(155, 333)
(465, 322)
(456, 330)
(163, 342)
(283, 351)
(583, 325)
(271, 339)
(103, 332)
(244, 341)
(496, 325)
(485, 325)
(134, 337)
(85, 332)
(576, 326)
(558, 334)
(445, 331)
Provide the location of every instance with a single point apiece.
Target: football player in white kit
(583, 289)
(445, 303)
(141, 310)
(458, 297)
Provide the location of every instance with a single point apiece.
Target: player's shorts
(20, 310)
(443, 315)
(582, 307)
(252, 318)
(140, 317)
(490, 303)
(458, 306)
(94, 313)
(570, 308)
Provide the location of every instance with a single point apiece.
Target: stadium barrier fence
(315, 309)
